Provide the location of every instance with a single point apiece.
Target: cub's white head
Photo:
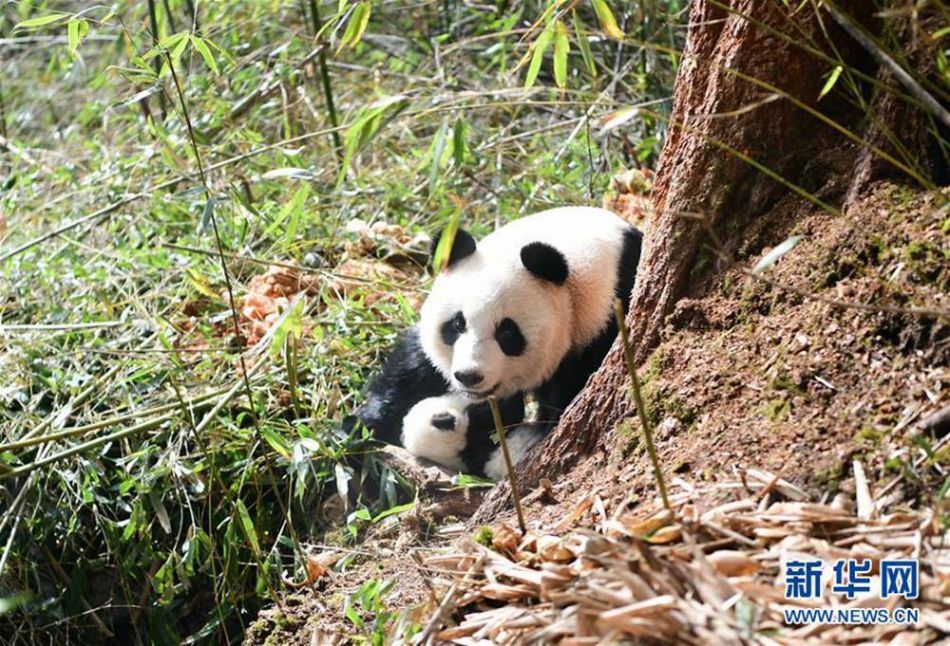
(498, 318)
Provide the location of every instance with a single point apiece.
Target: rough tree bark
(720, 116)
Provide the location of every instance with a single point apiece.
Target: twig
(79, 448)
(641, 406)
(325, 81)
(438, 617)
(6, 144)
(884, 59)
(67, 581)
(92, 217)
(54, 40)
(63, 327)
(89, 428)
(515, 494)
(261, 93)
(157, 61)
(106, 210)
(919, 461)
(245, 377)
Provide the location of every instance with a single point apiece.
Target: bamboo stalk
(325, 81)
(157, 61)
(641, 406)
(515, 494)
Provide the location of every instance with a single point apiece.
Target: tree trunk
(730, 139)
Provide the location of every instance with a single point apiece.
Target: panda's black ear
(544, 261)
(463, 246)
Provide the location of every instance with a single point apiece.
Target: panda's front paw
(436, 429)
(520, 440)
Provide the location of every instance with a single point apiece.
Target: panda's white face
(492, 327)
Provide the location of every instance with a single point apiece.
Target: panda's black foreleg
(406, 378)
(481, 447)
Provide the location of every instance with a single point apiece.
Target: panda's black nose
(469, 378)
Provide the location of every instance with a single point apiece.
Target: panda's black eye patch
(453, 329)
(509, 338)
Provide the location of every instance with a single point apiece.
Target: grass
(148, 492)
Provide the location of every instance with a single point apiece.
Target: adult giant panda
(528, 310)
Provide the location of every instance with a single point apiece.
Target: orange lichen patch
(267, 296)
(368, 238)
(629, 196)
(378, 280)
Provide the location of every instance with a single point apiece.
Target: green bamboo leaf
(72, 29)
(178, 50)
(206, 216)
(562, 46)
(175, 45)
(292, 210)
(41, 21)
(438, 148)
(458, 142)
(169, 42)
(205, 52)
(296, 211)
(367, 125)
(392, 511)
(225, 53)
(76, 29)
(247, 526)
(356, 27)
(290, 324)
(276, 442)
(540, 46)
(583, 44)
(607, 21)
(832, 79)
(441, 257)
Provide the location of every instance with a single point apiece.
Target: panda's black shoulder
(406, 378)
(630, 248)
(556, 393)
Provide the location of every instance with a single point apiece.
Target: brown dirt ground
(753, 375)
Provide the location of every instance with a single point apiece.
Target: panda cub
(527, 310)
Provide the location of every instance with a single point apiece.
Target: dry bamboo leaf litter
(712, 572)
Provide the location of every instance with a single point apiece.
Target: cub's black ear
(544, 261)
(462, 247)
